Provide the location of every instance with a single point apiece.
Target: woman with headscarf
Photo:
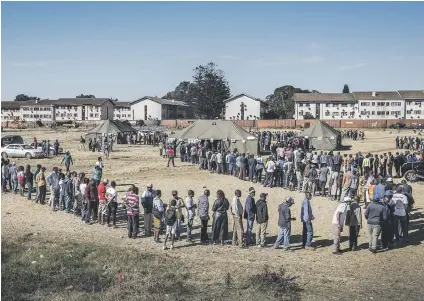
(220, 218)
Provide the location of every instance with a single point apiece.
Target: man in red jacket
(101, 190)
(171, 156)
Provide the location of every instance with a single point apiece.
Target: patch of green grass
(47, 270)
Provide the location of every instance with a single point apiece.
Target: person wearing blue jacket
(249, 214)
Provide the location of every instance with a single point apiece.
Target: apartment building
(154, 108)
(325, 106)
(380, 105)
(123, 111)
(11, 110)
(414, 101)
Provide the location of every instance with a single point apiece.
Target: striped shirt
(132, 203)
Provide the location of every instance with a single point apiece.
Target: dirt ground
(397, 274)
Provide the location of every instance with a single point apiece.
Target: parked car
(9, 139)
(20, 151)
(51, 151)
(413, 171)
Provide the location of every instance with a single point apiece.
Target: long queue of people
(410, 143)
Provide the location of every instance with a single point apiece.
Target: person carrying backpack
(171, 223)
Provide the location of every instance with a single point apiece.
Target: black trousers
(204, 230)
(42, 190)
(133, 222)
(353, 236)
(112, 211)
(386, 234)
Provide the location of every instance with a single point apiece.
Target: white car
(20, 151)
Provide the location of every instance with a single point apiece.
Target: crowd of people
(410, 143)
(350, 179)
(353, 134)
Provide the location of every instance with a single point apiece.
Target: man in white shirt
(270, 168)
(112, 198)
(237, 211)
(400, 201)
(337, 224)
(191, 207)
(219, 162)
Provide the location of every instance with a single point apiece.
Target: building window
(301, 105)
(75, 114)
(91, 115)
(372, 113)
(301, 113)
(327, 113)
(387, 112)
(417, 112)
(352, 114)
(96, 115)
(308, 105)
(335, 114)
(327, 105)
(344, 105)
(373, 103)
(352, 105)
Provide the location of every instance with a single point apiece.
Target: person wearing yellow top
(42, 186)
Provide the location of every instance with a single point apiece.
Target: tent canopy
(111, 127)
(322, 136)
(233, 135)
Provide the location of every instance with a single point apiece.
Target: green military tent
(111, 127)
(230, 134)
(322, 136)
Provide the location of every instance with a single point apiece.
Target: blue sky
(131, 49)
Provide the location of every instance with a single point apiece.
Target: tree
(85, 96)
(346, 89)
(183, 92)
(308, 115)
(281, 104)
(208, 91)
(24, 97)
(111, 98)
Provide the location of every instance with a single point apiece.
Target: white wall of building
(341, 110)
(303, 108)
(34, 113)
(122, 113)
(10, 114)
(381, 109)
(253, 108)
(154, 110)
(414, 109)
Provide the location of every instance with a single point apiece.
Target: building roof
(390, 95)
(244, 94)
(122, 104)
(412, 94)
(75, 101)
(15, 105)
(162, 101)
(323, 97)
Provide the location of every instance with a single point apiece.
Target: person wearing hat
(147, 203)
(262, 220)
(339, 218)
(249, 214)
(284, 224)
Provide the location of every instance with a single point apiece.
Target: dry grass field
(54, 256)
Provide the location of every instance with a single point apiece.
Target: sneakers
(337, 253)
(172, 247)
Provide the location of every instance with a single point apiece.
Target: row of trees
(209, 88)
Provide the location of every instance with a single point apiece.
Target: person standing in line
(203, 212)
(354, 220)
(400, 202)
(29, 180)
(270, 168)
(220, 218)
(132, 205)
(191, 208)
(171, 155)
(237, 212)
(158, 210)
(42, 188)
(53, 182)
(180, 217)
(307, 217)
(13, 174)
(56, 149)
(387, 226)
(259, 168)
(284, 224)
(250, 214)
(112, 198)
(67, 192)
(322, 177)
(101, 192)
(171, 223)
(90, 194)
(147, 203)
(375, 215)
(339, 217)
(262, 220)
(230, 160)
